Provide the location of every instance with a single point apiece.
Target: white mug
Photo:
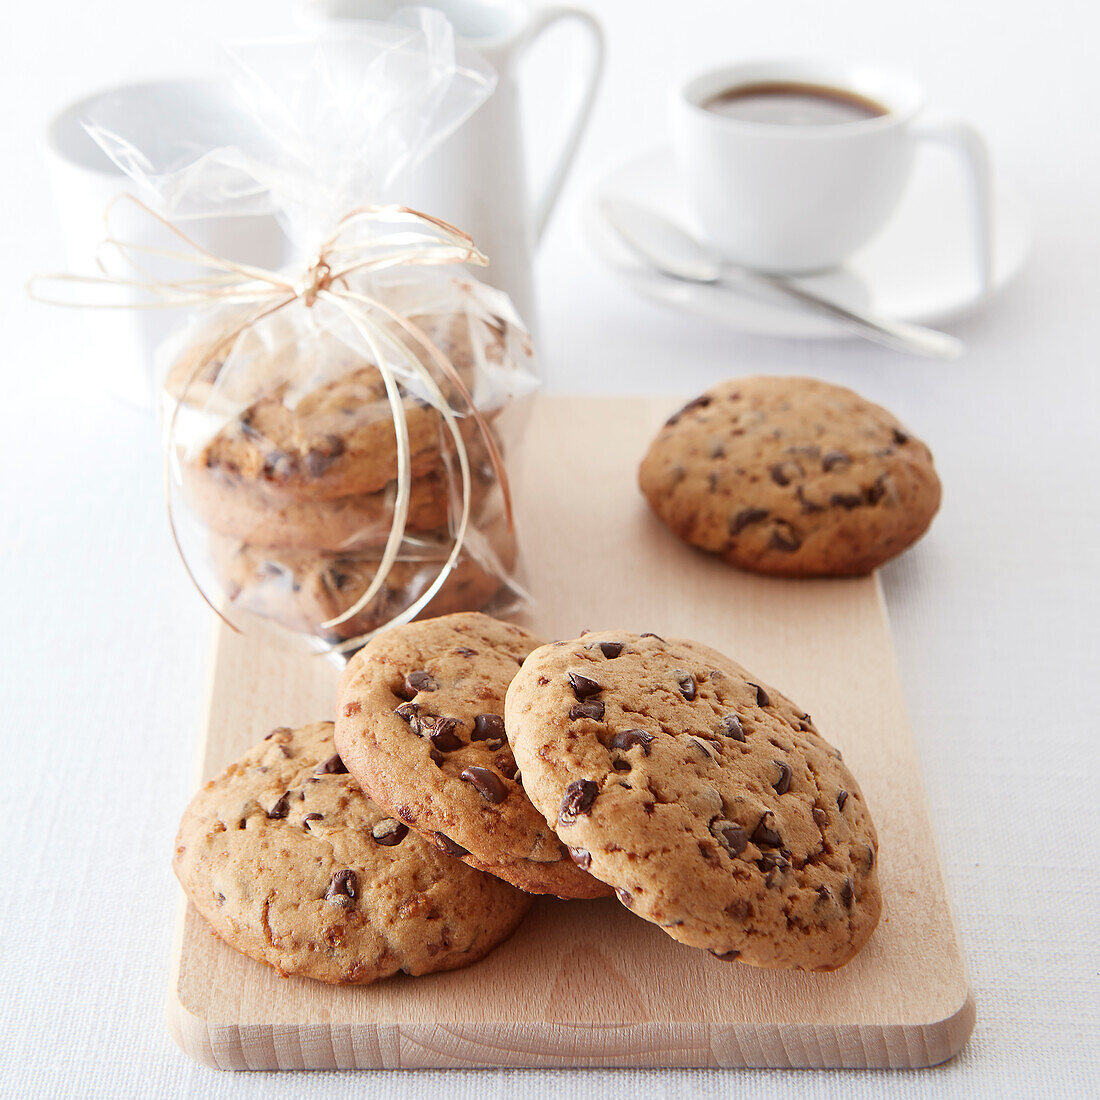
(477, 178)
(166, 116)
(801, 198)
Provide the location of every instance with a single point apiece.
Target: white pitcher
(477, 178)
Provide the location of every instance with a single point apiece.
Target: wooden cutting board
(586, 983)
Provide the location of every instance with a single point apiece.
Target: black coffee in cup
(793, 104)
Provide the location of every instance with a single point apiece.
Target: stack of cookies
(289, 459)
(472, 766)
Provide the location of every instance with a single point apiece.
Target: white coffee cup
(166, 116)
(800, 198)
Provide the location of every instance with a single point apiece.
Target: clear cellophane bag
(339, 432)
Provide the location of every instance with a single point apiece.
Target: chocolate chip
(579, 796)
(821, 818)
(762, 697)
(770, 863)
(489, 727)
(869, 857)
(625, 896)
(784, 537)
(841, 798)
(730, 835)
(611, 649)
(505, 763)
(686, 683)
(726, 956)
(581, 857)
(278, 733)
(593, 709)
(409, 712)
(389, 832)
(332, 766)
(621, 765)
(764, 836)
(487, 783)
(418, 681)
(745, 517)
(319, 459)
(650, 635)
(702, 748)
(847, 893)
(442, 734)
(343, 888)
(465, 651)
(281, 808)
(311, 817)
(434, 755)
(629, 739)
(900, 438)
(278, 466)
(333, 579)
(875, 492)
(445, 844)
(583, 687)
(731, 727)
(783, 473)
(783, 784)
(698, 403)
(847, 501)
(835, 458)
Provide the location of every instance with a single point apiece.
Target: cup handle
(541, 20)
(969, 146)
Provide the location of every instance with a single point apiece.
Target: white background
(103, 643)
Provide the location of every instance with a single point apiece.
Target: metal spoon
(664, 246)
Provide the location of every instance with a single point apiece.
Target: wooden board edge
(511, 1046)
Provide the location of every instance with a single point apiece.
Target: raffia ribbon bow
(413, 238)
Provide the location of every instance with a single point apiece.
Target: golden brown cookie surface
(791, 476)
(420, 723)
(293, 865)
(705, 798)
(301, 589)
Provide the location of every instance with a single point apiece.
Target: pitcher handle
(967, 144)
(541, 20)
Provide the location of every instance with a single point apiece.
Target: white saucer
(920, 268)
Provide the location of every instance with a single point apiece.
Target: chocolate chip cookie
(308, 418)
(420, 723)
(705, 797)
(333, 524)
(791, 476)
(301, 589)
(293, 865)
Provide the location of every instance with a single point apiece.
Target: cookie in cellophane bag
(286, 447)
(338, 430)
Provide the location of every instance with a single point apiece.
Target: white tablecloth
(103, 643)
